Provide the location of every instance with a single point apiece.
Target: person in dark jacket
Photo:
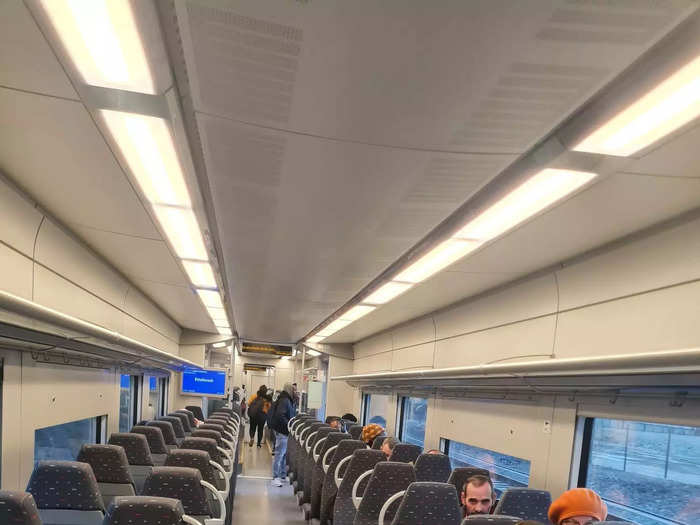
(282, 411)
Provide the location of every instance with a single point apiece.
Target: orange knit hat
(577, 502)
(371, 431)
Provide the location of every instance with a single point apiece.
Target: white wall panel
(15, 273)
(418, 356)
(340, 395)
(138, 305)
(419, 331)
(373, 363)
(20, 220)
(141, 332)
(373, 345)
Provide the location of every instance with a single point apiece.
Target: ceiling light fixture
(439, 258)
(312, 353)
(387, 292)
(103, 42)
(210, 298)
(664, 109)
(224, 331)
(200, 273)
(217, 314)
(315, 339)
(220, 345)
(356, 312)
(182, 229)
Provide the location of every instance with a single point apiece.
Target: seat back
(328, 493)
(184, 420)
(405, 453)
(429, 502)
(309, 461)
(135, 446)
(362, 460)
(318, 475)
(198, 459)
(388, 478)
(66, 492)
(190, 416)
(433, 467)
(355, 431)
(144, 510)
(111, 469)
(197, 411)
(181, 483)
(525, 503)
(491, 519)
(460, 475)
(211, 426)
(167, 430)
(18, 508)
(177, 426)
(206, 444)
(211, 434)
(305, 435)
(378, 441)
(154, 436)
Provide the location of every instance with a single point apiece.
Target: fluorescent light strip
(210, 298)
(200, 273)
(387, 292)
(223, 331)
(182, 229)
(315, 339)
(439, 258)
(664, 109)
(312, 353)
(217, 314)
(220, 345)
(103, 42)
(537, 193)
(356, 312)
(222, 324)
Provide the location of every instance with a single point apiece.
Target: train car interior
(349, 262)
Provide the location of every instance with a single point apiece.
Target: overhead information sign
(265, 348)
(250, 367)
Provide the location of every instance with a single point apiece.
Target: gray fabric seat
(156, 443)
(200, 460)
(293, 446)
(378, 441)
(66, 493)
(329, 491)
(361, 461)
(168, 432)
(309, 463)
(405, 453)
(429, 502)
(208, 445)
(111, 469)
(138, 454)
(355, 431)
(190, 416)
(184, 484)
(460, 475)
(177, 427)
(197, 411)
(326, 449)
(492, 519)
(184, 420)
(18, 508)
(388, 478)
(302, 454)
(527, 504)
(144, 510)
(433, 467)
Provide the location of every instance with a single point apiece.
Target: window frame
(162, 408)
(366, 400)
(402, 414)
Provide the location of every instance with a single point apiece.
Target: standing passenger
(477, 495)
(281, 412)
(578, 507)
(258, 406)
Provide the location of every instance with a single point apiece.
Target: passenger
(388, 446)
(282, 411)
(433, 451)
(349, 417)
(258, 406)
(578, 507)
(295, 397)
(370, 432)
(477, 495)
(334, 422)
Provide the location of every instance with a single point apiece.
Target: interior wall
(284, 371)
(339, 395)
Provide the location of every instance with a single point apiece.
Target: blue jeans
(278, 466)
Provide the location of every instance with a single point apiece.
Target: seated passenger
(370, 432)
(334, 422)
(433, 451)
(577, 507)
(477, 495)
(388, 446)
(349, 417)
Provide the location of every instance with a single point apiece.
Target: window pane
(125, 403)
(154, 395)
(377, 409)
(63, 442)
(506, 471)
(415, 411)
(647, 473)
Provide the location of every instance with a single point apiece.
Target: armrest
(355, 500)
(316, 453)
(222, 505)
(325, 465)
(307, 444)
(225, 476)
(386, 505)
(342, 462)
(190, 520)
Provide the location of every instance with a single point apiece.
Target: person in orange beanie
(577, 507)
(370, 432)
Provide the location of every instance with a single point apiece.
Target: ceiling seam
(40, 94)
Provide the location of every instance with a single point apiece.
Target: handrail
(218, 467)
(325, 466)
(355, 500)
(316, 455)
(387, 503)
(336, 476)
(222, 505)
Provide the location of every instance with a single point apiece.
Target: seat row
(185, 477)
(338, 479)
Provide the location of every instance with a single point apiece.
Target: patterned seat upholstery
(177, 425)
(429, 502)
(309, 462)
(212, 426)
(65, 492)
(18, 508)
(210, 434)
(460, 475)
(433, 467)
(388, 478)
(206, 444)
(294, 447)
(198, 459)
(329, 491)
(135, 446)
(493, 519)
(197, 411)
(189, 415)
(181, 483)
(527, 504)
(167, 429)
(144, 510)
(377, 443)
(362, 461)
(302, 454)
(318, 475)
(154, 436)
(111, 469)
(405, 453)
(355, 431)
(184, 420)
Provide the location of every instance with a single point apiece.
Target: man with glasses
(578, 507)
(477, 495)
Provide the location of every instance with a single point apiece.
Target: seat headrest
(211, 434)
(433, 467)
(65, 485)
(135, 446)
(177, 425)
(184, 420)
(189, 415)
(183, 483)
(198, 459)
(167, 429)
(154, 436)
(405, 453)
(144, 510)
(18, 508)
(108, 462)
(202, 443)
(428, 502)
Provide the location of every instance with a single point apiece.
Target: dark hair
(478, 480)
(262, 391)
(330, 419)
(350, 417)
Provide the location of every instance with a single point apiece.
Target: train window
(414, 411)
(506, 471)
(157, 395)
(647, 473)
(128, 401)
(376, 407)
(163, 393)
(63, 441)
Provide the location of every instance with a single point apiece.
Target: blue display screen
(125, 381)
(204, 382)
(153, 384)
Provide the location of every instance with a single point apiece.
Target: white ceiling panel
(613, 208)
(679, 157)
(26, 60)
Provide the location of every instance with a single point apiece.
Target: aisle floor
(257, 462)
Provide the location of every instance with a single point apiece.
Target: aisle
(257, 462)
